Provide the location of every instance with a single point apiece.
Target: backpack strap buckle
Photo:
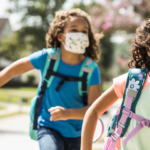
(131, 92)
(145, 122)
(128, 112)
(121, 125)
(87, 70)
(115, 136)
(54, 57)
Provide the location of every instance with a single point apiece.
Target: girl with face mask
(62, 109)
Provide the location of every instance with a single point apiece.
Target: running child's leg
(72, 143)
(49, 139)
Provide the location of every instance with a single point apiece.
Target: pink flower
(97, 21)
(95, 10)
(107, 25)
(123, 62)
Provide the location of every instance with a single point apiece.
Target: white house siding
(4, 62)
(33, 72)
(6, 30)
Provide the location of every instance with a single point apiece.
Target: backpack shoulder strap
(88, 66)
(134, 85)
(86, 71)
(52, 54)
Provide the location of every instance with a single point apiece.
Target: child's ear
(60, 37)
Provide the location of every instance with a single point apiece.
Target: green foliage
(12, 47)
(123, 52)
(36, 16)
(1, 108)
(106, 59)
(84, 7)
(30, 79)
(106, 85)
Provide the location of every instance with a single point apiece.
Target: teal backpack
(126, 112)
(50, 70)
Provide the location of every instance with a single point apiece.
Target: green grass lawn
(4, 94)
(30, 89)
(12, 114)
(106, 85)
(6, 97)
(1, 108)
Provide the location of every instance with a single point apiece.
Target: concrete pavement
(14, 134)
(12, 108)
(14, 131)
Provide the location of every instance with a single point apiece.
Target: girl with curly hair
(140, 59)
(70, 36)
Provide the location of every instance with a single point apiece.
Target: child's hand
(58, 113)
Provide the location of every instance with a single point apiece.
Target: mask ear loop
(62, 41)
(63, 34)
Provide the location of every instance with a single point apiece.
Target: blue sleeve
(38, 59)
(95, 78)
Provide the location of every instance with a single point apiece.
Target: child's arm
(17, 68)
(91, 116)
(60, 113)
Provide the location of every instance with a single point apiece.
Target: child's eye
(84, 32)
(74, 30)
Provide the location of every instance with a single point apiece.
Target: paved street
(14, 134)
(14, 130)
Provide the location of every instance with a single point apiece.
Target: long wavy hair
(58, 24)
(140, 47)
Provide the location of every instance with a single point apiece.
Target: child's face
(75, 24)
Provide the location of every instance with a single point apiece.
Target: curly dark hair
(58, 24)
(140, 47)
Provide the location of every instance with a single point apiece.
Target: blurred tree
(113, 17)
(106, 58)
(36, 16)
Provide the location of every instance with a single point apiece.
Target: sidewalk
(12, 108)
(14, 134)
(14, 131)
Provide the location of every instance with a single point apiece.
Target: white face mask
(76, 42)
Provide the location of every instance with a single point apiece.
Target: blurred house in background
(31, 76)
(5, 28)
(4, 62)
